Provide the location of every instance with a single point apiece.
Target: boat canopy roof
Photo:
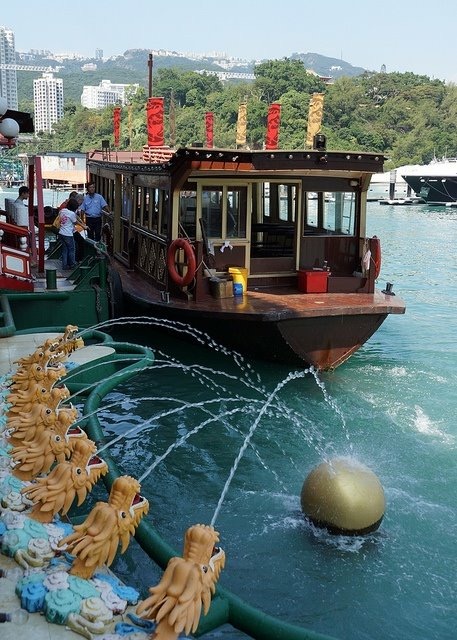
(167, 161)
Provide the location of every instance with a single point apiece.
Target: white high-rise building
(105, 94)
(48, 101)
(8, 78)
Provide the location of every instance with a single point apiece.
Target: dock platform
(36, 626)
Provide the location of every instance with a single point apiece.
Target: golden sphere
(343, 496)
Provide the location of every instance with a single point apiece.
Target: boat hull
(323, 341)
(435, 188)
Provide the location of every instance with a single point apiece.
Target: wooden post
(199, 291)
(40, 204)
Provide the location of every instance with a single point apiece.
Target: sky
(404, 35)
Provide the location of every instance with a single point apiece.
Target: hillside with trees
(407, 117)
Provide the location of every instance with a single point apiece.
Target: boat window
(147, 208)
(151, 210)
(212, 211)
(188, 212)
(279, 202)
(224, 211)
(139, 205)
(163, 212)
(236, 212)
(266, 199)
(330, 212)
(287, 197)
(127, 197)
(273, 222)
(111, 192)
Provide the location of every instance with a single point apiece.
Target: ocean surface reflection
(392, 406)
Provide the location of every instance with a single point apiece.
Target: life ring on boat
(191, 263)
(375, 248)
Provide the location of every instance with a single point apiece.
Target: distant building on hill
(48, 101)
(105, 94)
(8, 78)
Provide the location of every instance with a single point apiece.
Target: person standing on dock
(79, 241)
(72, 194)
(21, 209)
(93, 205)
(68, 219)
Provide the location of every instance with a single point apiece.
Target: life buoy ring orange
(375, 248)
(191, 263)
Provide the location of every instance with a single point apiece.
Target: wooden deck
(278, 324)
(274, 303)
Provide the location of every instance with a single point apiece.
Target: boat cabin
(272, 214)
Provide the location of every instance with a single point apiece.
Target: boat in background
(60, 171)
(263, 250)
(388, 185)
(435, 183)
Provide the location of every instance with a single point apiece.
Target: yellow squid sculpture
(108, 525)
(51, 445)
(68, 480)
(187, 585)
(47, 375)
(26, 427)
(36, 394)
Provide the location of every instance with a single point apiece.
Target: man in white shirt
(21, 209)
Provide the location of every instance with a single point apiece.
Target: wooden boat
(288, 226)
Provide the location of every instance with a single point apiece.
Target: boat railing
(147, 252)
(15, 261)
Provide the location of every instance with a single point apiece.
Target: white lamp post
(9, 128)
(3, 106)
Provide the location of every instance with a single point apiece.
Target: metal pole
(150, 65)
(40, 203)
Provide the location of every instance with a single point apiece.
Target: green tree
(407, 117)
(276, 77)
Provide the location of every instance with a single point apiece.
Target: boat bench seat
(271, 239)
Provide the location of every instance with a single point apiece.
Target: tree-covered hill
(328, 67)
(407, 117)
(131, 68)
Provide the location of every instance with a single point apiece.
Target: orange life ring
(375, 248)
(181, 243)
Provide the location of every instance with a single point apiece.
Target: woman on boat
(68, 220)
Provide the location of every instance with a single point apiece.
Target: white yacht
(436, 182)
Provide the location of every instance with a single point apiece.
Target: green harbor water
(392, 407)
